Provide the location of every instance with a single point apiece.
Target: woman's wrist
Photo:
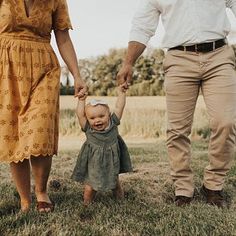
(77, 77)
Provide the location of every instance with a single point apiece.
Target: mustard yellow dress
(29, 78)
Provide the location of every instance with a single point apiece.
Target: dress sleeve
(86, 127)
(60, 17)
(115, 119)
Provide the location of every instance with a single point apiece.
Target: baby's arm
(120, 102)
(80, 111)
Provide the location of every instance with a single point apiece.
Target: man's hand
(124, 76)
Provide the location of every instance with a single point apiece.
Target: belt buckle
(214, 45)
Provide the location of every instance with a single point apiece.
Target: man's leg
(182, 89)
(219, 90)
(21, 177)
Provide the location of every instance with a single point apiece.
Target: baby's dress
(102, 157)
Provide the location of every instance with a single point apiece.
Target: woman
(29, 90)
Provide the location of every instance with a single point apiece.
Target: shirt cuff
(139, 37)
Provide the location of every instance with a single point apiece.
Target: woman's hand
(81, 89)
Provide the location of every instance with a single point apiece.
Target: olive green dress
(102, 157)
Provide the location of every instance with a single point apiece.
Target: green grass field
(146, 210)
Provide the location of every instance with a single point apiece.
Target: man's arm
(144, 25)
(135, 49)
(145, 21)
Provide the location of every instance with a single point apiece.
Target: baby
(104, 155)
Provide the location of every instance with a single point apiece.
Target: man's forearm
(135, 49)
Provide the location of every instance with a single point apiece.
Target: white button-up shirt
(186, 22)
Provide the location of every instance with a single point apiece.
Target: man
(198, 57)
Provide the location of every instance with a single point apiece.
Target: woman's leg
(41, 167)
(21, 177)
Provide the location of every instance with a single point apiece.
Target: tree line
(100, 74)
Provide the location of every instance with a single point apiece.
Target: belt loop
(195, 47)
(185, 49)
(214, 45)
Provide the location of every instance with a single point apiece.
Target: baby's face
(98, 116)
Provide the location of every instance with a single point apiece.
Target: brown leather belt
(202, 47)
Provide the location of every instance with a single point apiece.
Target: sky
(99, 25)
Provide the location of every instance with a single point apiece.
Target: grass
(147, 209)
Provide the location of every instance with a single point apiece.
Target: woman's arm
(80, 112)
(120, 102)
(68, 54)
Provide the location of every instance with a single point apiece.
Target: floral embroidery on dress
(29, 75)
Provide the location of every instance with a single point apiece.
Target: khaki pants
(185, 74)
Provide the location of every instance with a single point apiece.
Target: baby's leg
(89, 194)
(118, 192)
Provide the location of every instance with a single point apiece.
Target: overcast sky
(103, 24)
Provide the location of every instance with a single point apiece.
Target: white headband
(95, 102)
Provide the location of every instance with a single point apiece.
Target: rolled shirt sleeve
(144, 23)
(232, 5)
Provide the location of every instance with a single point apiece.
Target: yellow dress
(29, 78)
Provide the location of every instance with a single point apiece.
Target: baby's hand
(83, 97)
(123, 87)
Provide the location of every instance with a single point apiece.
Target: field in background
(144, 118)
(154, 102)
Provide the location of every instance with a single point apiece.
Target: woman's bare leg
(41, 167)
(21, 177)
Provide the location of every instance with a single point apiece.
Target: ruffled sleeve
(115, 119)
(60, 17)
(86, 127)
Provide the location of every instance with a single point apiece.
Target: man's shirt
(186, 22)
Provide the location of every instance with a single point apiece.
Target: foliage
(66, 90)
(100, 74)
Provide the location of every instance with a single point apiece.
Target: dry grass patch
(147, 209)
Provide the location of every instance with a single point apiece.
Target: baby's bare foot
(89, 194)
(118, 192)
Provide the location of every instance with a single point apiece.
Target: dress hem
(29, 156)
